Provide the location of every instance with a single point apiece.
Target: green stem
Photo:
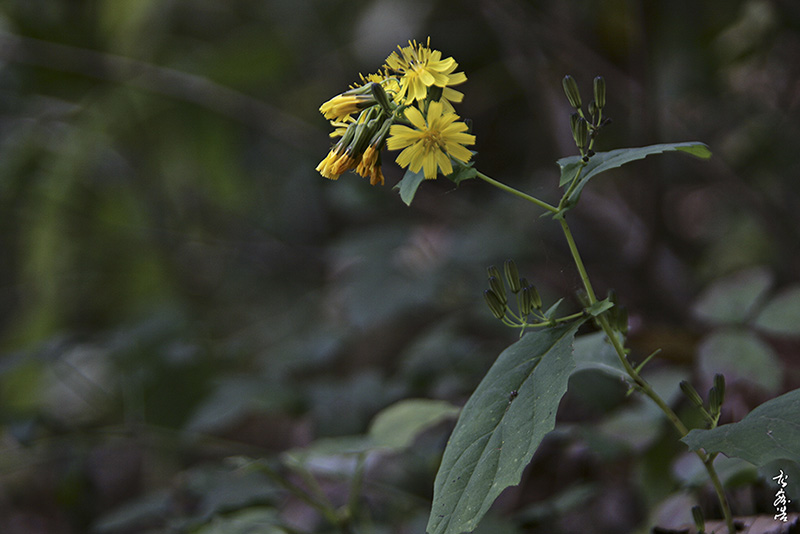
(643, 385)
(515, 192)
(708, 462)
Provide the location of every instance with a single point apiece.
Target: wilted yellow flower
(432, 141)
(370, 165)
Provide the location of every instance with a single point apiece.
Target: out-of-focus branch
(157, 79)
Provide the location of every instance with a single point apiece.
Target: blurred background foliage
(179, 285)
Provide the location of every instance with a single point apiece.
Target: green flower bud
(536, 300)
(498, 308)
(526, 302)
(699, 520)
(512, 276)
(713, 401)
(593, 109)
(691, 393)
(571, 90)
(496, 285)
(492, 271)
(435, 93)
(719, 385)
(580, 130)
(599, 92)
(380, 96)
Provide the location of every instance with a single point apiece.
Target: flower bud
(435, 93)
(512, 276)
(714, 401)
(497, 308)
(580, 130)
(719, 384)
(380, 96)
(493, 271)
(536, 300)
(699, 520)
(496, 285)
(571, 90)
(599, 92)
(526, 302)
(592, 109)
(691, 393)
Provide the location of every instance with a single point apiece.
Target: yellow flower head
(420, 68)
(432, 142)
(370, 165)
(341, 107)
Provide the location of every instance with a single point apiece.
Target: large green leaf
(500, 428)
(603, 161)
(770, 432)
(397, 426)
(732, 299)
(781, 315)
(739, 355)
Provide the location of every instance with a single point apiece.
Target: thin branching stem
(642, 384)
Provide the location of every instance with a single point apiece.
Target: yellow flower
(340, 107)
(370, 165)
(432, 141)
(421, 68)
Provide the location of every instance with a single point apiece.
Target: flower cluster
(408, 106)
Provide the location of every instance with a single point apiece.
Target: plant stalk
(515, 192)
(708, 460)
(619, 348)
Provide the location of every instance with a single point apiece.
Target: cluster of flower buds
(584, 131)
(406, 105)
(529, 303)
(716, 396)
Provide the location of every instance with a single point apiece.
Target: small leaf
(409, 184)
(770, 432)
(603, 161)
(569, 170)
(462, 171)
(599, 307)
(732, 298)
(396, 427)
(501, 427)
(551, 311)
(781, 315)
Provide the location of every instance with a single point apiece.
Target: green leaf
(599, 307)
(732, 299)
(396, 427)
(770, 432)
(594, 351)
(781, 315)
(409, 184)
(603, 161)
(247, 521)
(462, 171)
(501, 427)
(739, 354)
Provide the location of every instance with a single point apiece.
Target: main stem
(642, 384)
